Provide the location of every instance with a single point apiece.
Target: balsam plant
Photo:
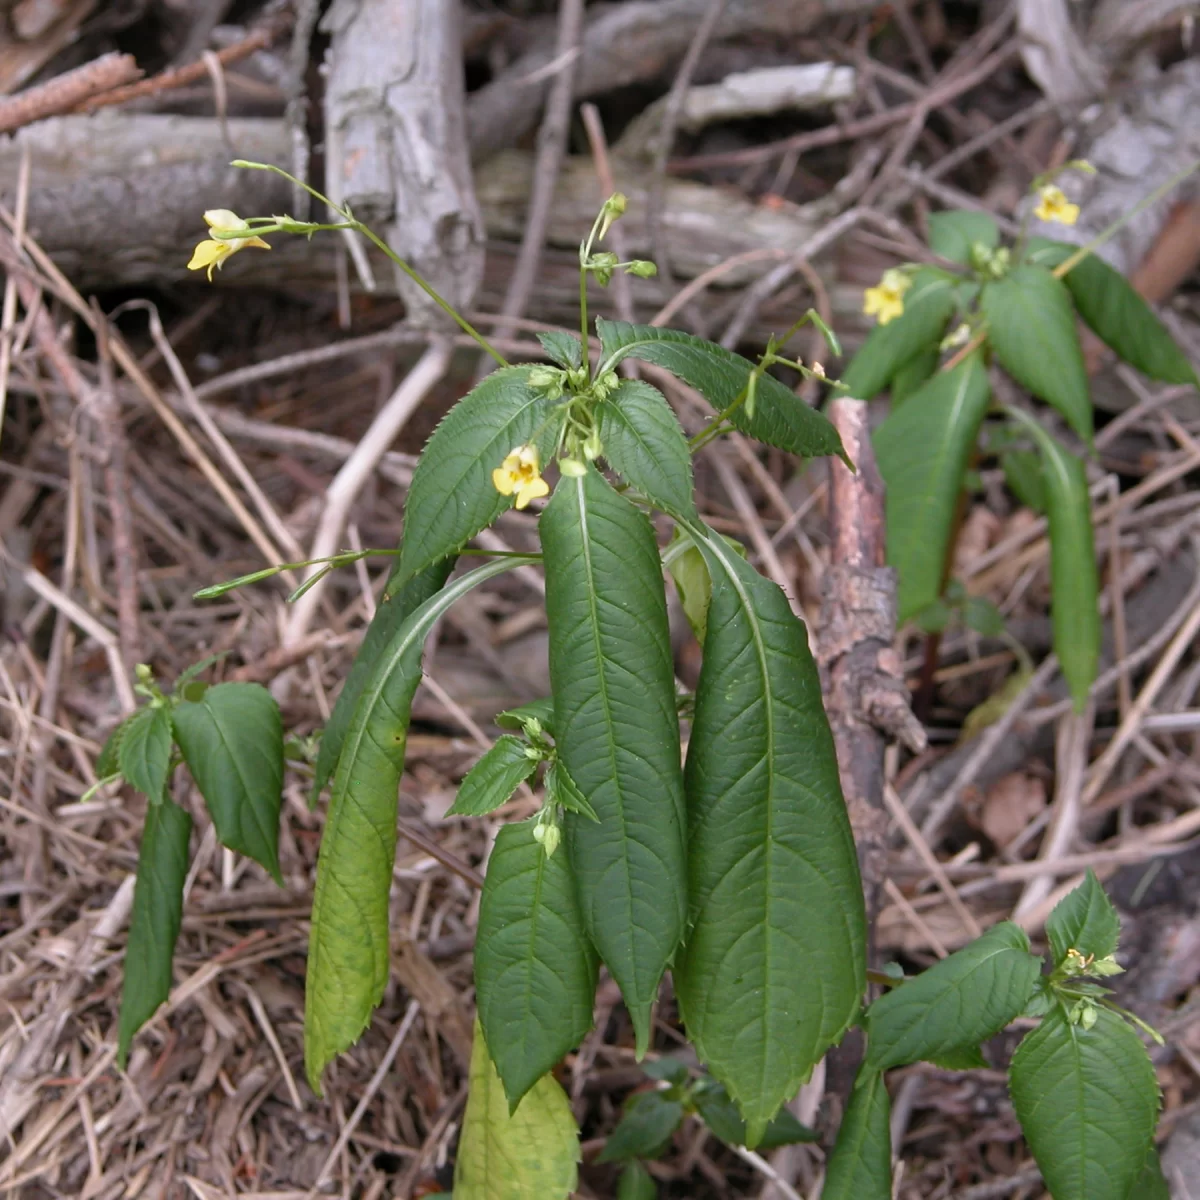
(938, 330)
(732, 866)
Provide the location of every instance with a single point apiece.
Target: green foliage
(1151, 1184)
(563, 790)
(533, 1151)
(636, 1183)
(607, 615)
(144, 750)
(535, 971)
(923, 451)
(647, 1123)
(1084, 921)
(779, 418)
(913, 373)
(565, 349)
(721, 1116)
(773, 877)
(157, 916)
(954, 234)
(957, 1003)
(493, 779)
(860, 1167)
(1087, 1100)
(541, 711)
(232, 742)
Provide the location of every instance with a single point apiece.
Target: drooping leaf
(535, 971)
(617, 731)
(1117, 314)
(1074, 580)
(1031, 328)
(860, 1165)
(1087, 1100)
(108, 763)
(1023, 474)
(452, 496)
(958, 1002)
(923, 451)
(531, 1152)
(232, 742)
(392, 612)
(562, 789)
(720, 1114)
(156, 918)
(1084, 920)
(636, 1183)
(644, 443)
(928, 305)
(493, 779)
(952, 234)
(144, 750)
(773, 969)
(348, 945)
(540, 710)
(690, 573)
(562, 348)
(780, 418)
(961, 1058)
(913, 373)
(645, 1128)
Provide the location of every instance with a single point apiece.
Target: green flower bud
(614, 207)
(641, 268)
(572, 468)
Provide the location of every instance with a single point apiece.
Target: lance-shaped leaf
(617, 731)
(144, 750)
(958, 1002)
(923, 451)
(533, 1152)
(1074, 580)
(1117, 314)
(232, 742)
(773, 968)
(1085, 921)
(1087, 1100)
(535, 971)
(860, 1166)
(955, 233)
(348, 945)
(1031, 328)
(720, 1114)
(157, 915)
(636, 1183)
(645, 1128)
(392, 612)
(452, 496)
(928, 305)
(493, 779)
(912, 375)
(644, 443)
(563, 348)
(780, 418)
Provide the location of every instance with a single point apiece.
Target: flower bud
(572, 468)
(641, 268)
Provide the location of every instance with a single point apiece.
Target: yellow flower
(1053, 205)
(215, 250)
(520, 474)
(886, 301)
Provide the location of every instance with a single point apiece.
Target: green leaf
(644, 443)
(348, 947)
(1087, 1100)
(108, 763)
(1117, 314)
(617, 731)
(958, 1002)
(144, 750)
(1031, 329)
(667, 1068)
(923, 451)
(928, 305)
(860, 1165)
(636, 1183)
(232, 742)
(952, 234)
(690, 574)
(562, 789)
(981, 615)
(541, 711)
(392, 612)
(1074, 581)
(645, 1128)
(493, 779)
(961, 1058)
(1023, 474)
(452, 496)
(720, 1114)
(1151, 1184)
(1084, 920)
(535, 971)
(773, 969)
(912, 374)
(780, 417)
(562, 348)
(157, 915)
(531, 1152)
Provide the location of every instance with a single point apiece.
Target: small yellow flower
(886, 300)
(213, 251)
(1053, 205)
(520, 474)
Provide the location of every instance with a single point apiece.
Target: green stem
(583, 322)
